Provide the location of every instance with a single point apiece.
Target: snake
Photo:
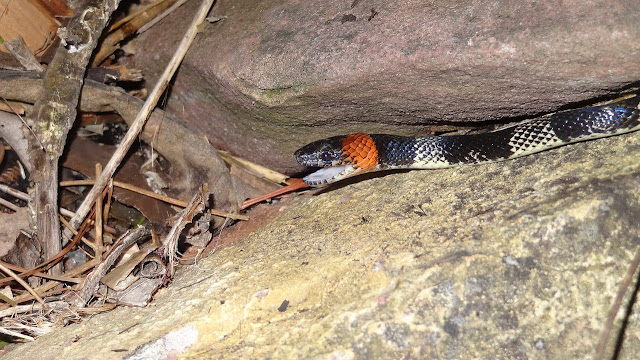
(344, 156)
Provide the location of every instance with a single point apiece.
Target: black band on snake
(345, 156)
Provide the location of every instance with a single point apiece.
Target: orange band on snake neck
(361, 151)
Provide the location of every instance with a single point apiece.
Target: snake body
(345, 156)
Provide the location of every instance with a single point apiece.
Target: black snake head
(339, 156)
(321, 153)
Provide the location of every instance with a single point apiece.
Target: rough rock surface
(512, 260)
(272, 75)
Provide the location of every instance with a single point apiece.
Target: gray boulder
(270, 76)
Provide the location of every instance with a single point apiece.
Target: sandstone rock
(273, 75)
(514, 260)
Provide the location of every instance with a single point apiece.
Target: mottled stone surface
(511, 260)
(273, 75)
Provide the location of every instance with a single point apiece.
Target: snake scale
(341, 157)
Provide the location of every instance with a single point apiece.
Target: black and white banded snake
(341, 157)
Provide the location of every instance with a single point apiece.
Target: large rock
(513, 260)
(273, 75)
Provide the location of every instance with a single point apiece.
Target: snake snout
(306, 159)
(317, 158)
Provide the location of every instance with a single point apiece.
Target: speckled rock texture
(272, 75)
(514, 260)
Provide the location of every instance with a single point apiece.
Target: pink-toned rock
(273, 75)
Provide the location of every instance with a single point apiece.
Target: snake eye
(326, 156)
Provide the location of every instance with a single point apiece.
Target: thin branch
(608, 325)
(56, 258)
(90, 283)
(16, 334)
(21, 282)
(131, 16)
(198, 159)
(9, 205)
(45, 289)
(38, 274)
(98, 220)
(157, 19)
(30, 308)
(15, 193)
(119, 31)
(195, 206)
(55, 112)
(295, 184)
(91, 244)
(20, 52)
(136, 127)
(151, 194)
(26, 197)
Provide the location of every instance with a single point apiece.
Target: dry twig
(90, 283)
(151, 194)
(16, 334)
(156, 19)
(136, 127)
(195, 206)
(21, 282)
(19, 50)
(608, 325)
(119, 32)
(98, 220)
(9, 205)
(55, 111)
(23, 271)
(168, 135)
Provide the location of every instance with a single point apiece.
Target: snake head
(340, 156)
(321, 153)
